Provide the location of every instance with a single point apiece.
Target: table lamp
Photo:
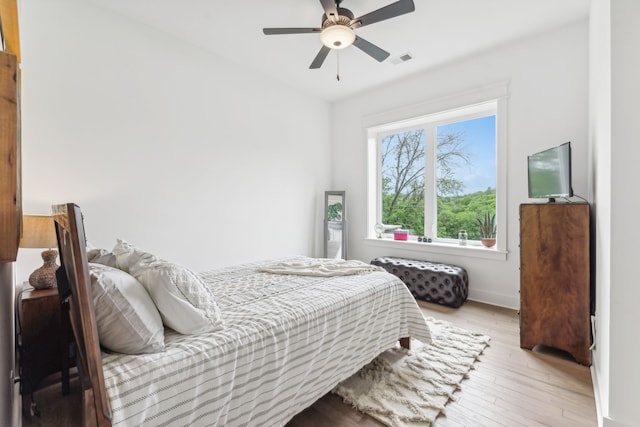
(38, 231)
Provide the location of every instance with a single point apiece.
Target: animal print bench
(439, 283)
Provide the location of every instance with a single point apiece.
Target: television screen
(550, 173)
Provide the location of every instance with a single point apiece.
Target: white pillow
(128, 321)
(101, 256)
(131, 259)
(183, 299)
(184, 302)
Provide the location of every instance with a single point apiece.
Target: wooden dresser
(555, 278)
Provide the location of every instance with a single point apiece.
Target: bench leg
(405, 342)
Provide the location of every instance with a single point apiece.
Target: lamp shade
(38, 231)
(337, 36)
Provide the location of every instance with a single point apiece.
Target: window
(437, 173)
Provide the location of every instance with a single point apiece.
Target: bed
(287, 340)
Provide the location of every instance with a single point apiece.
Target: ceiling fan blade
(390, 11)
(271, 31)
(330, 8)
(371, 49)
(319, 59)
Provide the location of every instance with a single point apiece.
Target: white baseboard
(493, 298)
(17, 406)
(596, 392)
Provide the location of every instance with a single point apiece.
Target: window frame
(460, 107)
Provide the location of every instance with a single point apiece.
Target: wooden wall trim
(10, 197)
(10, 28)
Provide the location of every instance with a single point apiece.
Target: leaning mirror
(335, 225)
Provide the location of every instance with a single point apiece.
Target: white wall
(614, 130)
(163, 144)
(547, 78)
(625, 152)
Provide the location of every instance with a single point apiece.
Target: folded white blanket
(321, 267)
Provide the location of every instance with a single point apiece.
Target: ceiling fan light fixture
(337, 36)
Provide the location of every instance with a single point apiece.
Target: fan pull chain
(338, 65)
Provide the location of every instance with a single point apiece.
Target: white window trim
(446, 107)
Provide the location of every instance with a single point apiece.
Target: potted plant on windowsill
(487, 224)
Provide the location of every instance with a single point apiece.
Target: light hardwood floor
(509, 387)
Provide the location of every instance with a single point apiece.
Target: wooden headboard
(74, 284)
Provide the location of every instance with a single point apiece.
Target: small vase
(489, 243)
(45, 276)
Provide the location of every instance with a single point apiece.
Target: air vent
(402, 58)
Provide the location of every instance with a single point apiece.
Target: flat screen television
(550, 173)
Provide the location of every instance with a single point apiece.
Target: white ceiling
(437, 32)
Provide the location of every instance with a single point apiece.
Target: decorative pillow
(128, 321)
(183, 299)
(101, 256)
(184, 302)
(131, 259)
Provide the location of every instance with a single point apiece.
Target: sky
(480, 143)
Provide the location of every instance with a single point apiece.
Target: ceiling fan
(338, 25)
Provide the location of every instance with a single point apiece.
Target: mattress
(287, 341)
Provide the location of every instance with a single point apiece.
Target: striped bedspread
(288, 340)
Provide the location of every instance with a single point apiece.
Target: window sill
(470, 250)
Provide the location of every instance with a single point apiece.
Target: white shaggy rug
(410, 388)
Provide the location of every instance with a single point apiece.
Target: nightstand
(44, 338)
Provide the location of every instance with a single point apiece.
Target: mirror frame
(343, 244)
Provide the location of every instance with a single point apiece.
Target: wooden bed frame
(74, 286)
